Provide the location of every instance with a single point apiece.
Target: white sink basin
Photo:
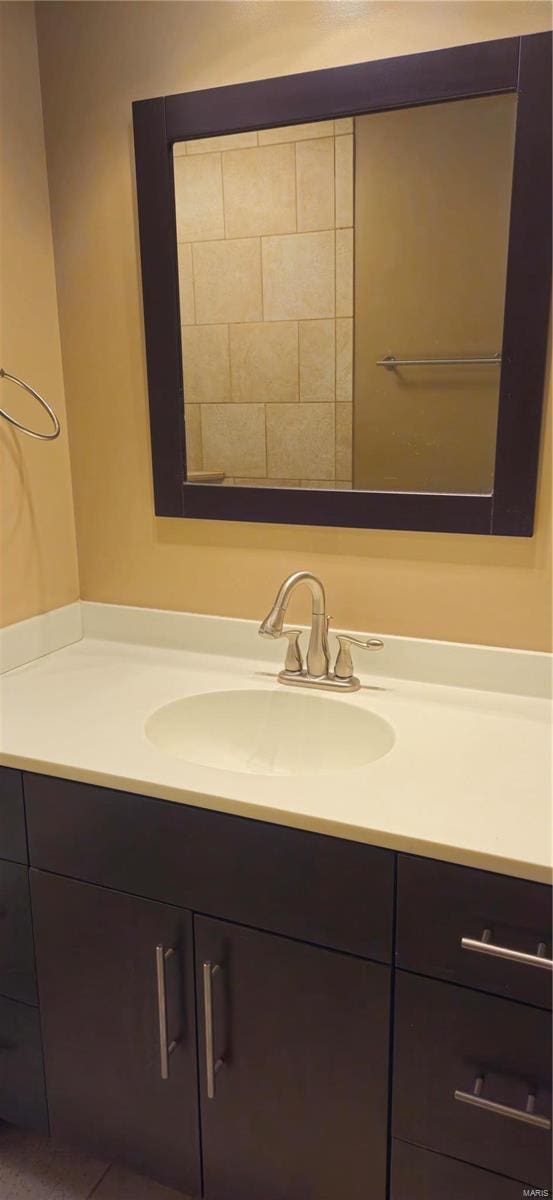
(270, 732)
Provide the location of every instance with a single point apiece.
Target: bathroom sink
(270, 732)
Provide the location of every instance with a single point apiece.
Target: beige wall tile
(344, 272)
(344, 359)
(343, 125)
(344, 466)
(295, 133)
(233, 439)
(344, 485)
(227, 141)
(259, 191)
(227, 281)
(344, 180)
(206, 364)
(193, 432)
(300, 441)
(264, 361)
(317, 352)
(186, 285)
(298, 276)
(199, 198)
(315, 183)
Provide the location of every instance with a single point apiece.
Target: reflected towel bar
(390, 362)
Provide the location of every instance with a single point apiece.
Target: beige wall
(38, 561)
(265, 242)
(95, 59)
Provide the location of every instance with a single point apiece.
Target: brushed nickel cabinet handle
(484, 945)
(526, 1115)
(165, 1047)
(211, 1064)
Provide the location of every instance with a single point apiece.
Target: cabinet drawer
(22, 1096)
(419, 1174)
(13, 842)
(17, 967)
(311, 887)
(447, 1037)
(439, 904)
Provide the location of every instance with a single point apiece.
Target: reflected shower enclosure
(432, 204)
(342, 289)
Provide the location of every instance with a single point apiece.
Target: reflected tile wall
(265, 233)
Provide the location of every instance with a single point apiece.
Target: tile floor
(33, 1168)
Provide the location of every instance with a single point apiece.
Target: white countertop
(468, 779)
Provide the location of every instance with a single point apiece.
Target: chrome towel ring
(42, 437)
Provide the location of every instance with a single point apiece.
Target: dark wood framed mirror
(311, 112)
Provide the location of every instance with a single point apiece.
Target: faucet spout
(318, 655)
(271, 627)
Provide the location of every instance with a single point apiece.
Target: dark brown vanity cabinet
(293, 1068)
(110, 1001)
(245, 1011)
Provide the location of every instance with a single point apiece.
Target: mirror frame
(521, 65)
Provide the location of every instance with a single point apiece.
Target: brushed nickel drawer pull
(211, 1065)
(526, 1115)
(484, 945)
(165, 1047)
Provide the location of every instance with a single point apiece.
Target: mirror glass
(325, 273)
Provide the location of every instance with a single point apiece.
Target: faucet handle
(344, 661)
(293, 661)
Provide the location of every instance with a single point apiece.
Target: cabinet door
(17, 957)
(13, 838)
(104, 1017)
(297, 1108)
(22, 1097)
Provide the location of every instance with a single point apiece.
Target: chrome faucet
(316, 672)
